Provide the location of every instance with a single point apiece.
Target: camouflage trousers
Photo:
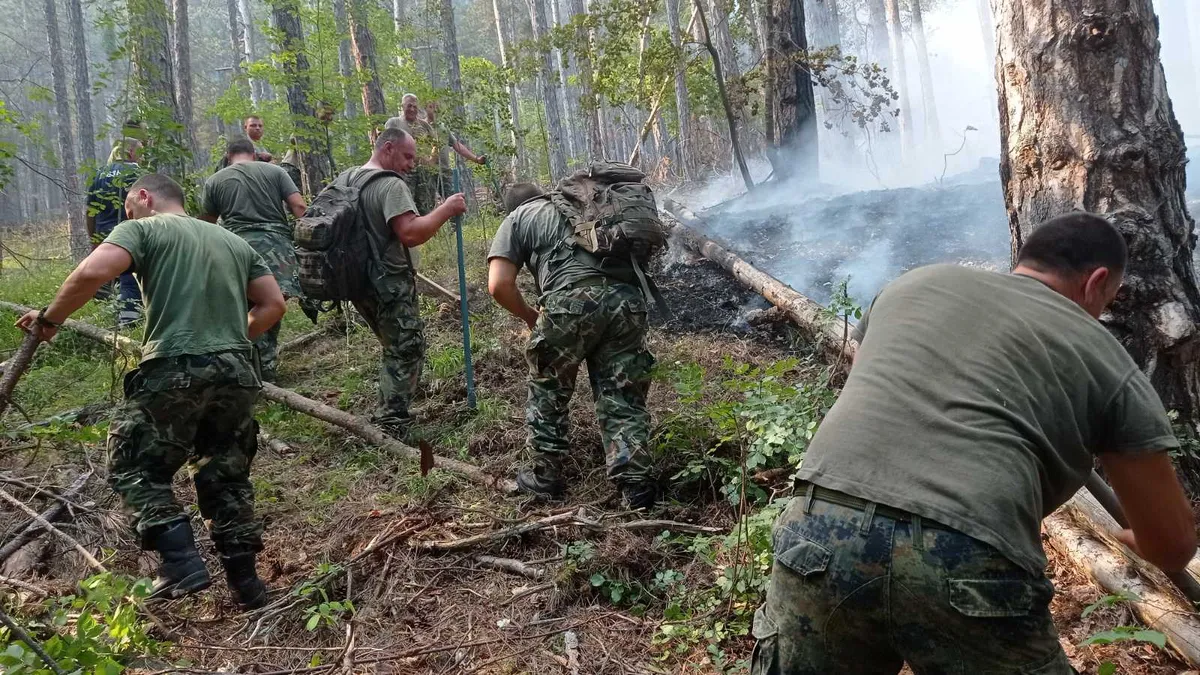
(198, 411)
(275, 247)
(604, 326)
(394, 315)
(854, 590)
(423, 184)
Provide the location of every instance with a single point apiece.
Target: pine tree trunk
(310, 137)
(877, 35)
(718, 14)
(82, 85)
(362, 43)
(683, 106)
(66, 140)
(933, 128)
(824, 33)
(739, 160)
(345, 59)
(797, 154)
(900, 79)
(588, 101)
(550, 94)
(1120, 154)
(450, 49)
(182, 61)
(154, 86)
(557, 55)
(237, 41)
(246, 19)
(514, 108)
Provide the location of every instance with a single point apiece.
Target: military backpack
(614, 221)
(332, 245)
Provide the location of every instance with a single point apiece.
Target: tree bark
(730, 117)
(824, 34)
(257, 92)
(933, 129)
(154, 85)
(350, 101)
(182, 61)
(450, 49)
(15, 367)
(900, 79)
(514, 107)
(588, 102)
(1120, 154)
(877, 34)
(310, 138)
(362, 43)
(237, 41)
(66, 139)
(797, 154)
(550, 94)
(399, 18)
(557, 55)
(82, 84)
(683, 106)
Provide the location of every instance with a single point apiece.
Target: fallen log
(15, 367)
(830, 333)
(325, 413)
(1117, 574)
(376, 436)
(51, 514)
(305, 339)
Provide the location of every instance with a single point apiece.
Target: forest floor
(593, 596)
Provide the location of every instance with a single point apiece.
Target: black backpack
(331, 240)
(615, 226)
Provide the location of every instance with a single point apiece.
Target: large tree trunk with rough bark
(66, 139)
(514, 107)
(310, 137)
(1120, 154)
(450, 49)
(797, 151)
(154, 85)
(362, 43)
(237, 42)
(548, 78)
(900, 78)
(257, 86)
(683, 107)
(182, 60)
(82, 84)
(350, 101)
(589, 104)
(933, 131)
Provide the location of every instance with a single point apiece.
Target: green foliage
(1128, 634)
(99, 630)
(1109, 601)
(323, 611)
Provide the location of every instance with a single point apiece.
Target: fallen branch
(305, 339)
(439, 289)
(121, 342)
(510, 565)
(52, 513)
(15, 367)
(376, 436)
(674, 526)
(571, 647)
(91, 560)
(277, 446)
(577, 518)
(25, 586)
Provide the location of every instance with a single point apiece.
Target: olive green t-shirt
(978, 400)
(193, 277)
(250, 196)
(535, 235)
(381, 200)
(423, 133)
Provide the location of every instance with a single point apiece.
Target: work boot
(248, 590)
(182, 571)
(638, 495)
(542, 480)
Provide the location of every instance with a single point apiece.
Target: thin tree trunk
(550, 94)
(237, 41)
(310, 137)
(399, 18)
(1120, 154)
(798, 146)
(739, 159)
(246, 19)
(82, 85)
(933, 127)
(824, 34)
(154, 85)
(182, 61)
(588, 101)
(362, 43)
(900, 80)
(557, 55)
(66, 139)
(877, 34)
(683, 106)
(514, 108)
(345, 64)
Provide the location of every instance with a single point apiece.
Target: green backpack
(614, 221)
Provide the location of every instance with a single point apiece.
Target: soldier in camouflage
(252, 199)
(191, 400)
(394, 226)
(585, 316)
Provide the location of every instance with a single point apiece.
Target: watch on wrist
(41, 319)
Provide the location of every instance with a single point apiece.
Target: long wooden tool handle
(1108, 499)
(16, 367)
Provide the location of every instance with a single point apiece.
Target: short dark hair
(519, 193)
(1076, 242)
(390, 136)
(247, 118)
(160, 186)
(239, 146)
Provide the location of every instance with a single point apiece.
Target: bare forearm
(510, 298)
(262, 318)
(422, 228)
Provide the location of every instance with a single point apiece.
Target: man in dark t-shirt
(106, 208)
(977, 405)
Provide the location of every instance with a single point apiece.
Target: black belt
(842, 499)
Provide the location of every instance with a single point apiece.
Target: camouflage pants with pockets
(856, 591)
(198, 411)
(605, 326)
(394, 315)
(277, 251)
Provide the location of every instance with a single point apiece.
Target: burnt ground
(327, 497)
